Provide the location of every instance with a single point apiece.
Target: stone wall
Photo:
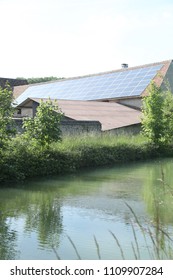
(12, 82)
(70, 127)
(78, 127)
(130, 130)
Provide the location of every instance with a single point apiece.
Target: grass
(98, 140)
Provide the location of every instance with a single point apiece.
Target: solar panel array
(118, 84)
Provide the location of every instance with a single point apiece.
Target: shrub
(6, 113)
(45, 126)
(152, 120)
(157, 120)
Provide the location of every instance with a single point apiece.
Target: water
(88, 208)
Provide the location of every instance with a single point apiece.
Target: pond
(108, 213)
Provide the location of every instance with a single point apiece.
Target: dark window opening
(19, 111)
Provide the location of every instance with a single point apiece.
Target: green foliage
(6, 113)
(168, 117)
(39, 79)
(45, 126)
(21, 159)
(152, 120)
(42, 80)
(157, 120)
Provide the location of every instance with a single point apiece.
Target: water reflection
(158, 196)
(7, 240)
(39, 214)
(158, 193)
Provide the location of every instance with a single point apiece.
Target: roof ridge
(103, 73)
(122, 69)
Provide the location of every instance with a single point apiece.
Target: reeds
(157, 238)
(158, 242)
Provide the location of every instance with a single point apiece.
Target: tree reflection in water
(87, 204)
(7, 240)
(41, 212)
(158, 196)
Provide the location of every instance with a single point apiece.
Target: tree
(7, 128)
(168, 116)
(45, 126)
(39, 79)
(157, 120)
(153, 117)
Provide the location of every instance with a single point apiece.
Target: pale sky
(66, 38)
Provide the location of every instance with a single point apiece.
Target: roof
(18, 90)
(110, 115)
(117, 84)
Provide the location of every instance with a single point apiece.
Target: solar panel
(130, 82)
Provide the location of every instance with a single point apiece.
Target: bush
(157, 120)
(6, 113)
(152, 120)
(44, 128)
(22, 160)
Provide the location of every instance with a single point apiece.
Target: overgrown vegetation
(21, 159)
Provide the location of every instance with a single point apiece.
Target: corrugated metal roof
(110, 115)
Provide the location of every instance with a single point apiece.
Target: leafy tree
(153, 117)
(45, 126)
(157, 120)
(168, 116)
(40, 79)
(6, 113)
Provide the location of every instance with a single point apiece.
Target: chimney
(124, 65)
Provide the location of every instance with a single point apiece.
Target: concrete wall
(131, 102)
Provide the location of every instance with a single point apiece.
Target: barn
(112, 98)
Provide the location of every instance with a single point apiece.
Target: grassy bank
(22, 159)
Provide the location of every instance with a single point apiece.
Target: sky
(68, 38)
